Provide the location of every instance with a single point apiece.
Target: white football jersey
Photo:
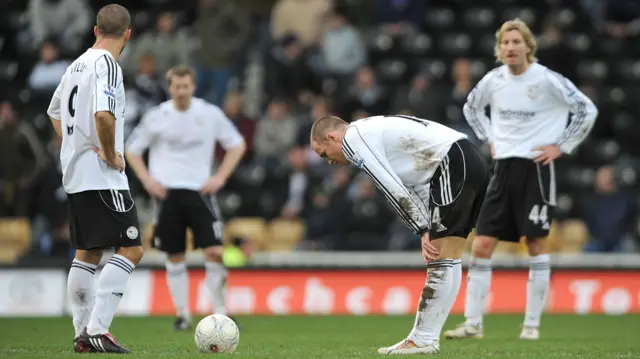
(182, 143)
(91, 84)
(401, 154)
(529, 110)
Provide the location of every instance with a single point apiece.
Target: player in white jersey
(528, 130)
(181, 136)
(436, 180)
(87, 110)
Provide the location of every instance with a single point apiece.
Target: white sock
(537, 289)
(478, 284)
(435, 303)
(216, 278)
(81, 294)
(178, 283)
(111, 286)
(456, 281)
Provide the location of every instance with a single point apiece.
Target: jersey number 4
(72, 108)
(538, 215)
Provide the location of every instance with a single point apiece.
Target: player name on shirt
(91, 84)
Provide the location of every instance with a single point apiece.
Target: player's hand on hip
(212, 185)
(429, 251)
(118, 163)
(155, 188)
(547, 153)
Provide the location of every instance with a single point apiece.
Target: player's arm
(138, 142)
(140, 139)
(54, 109)
(583, 110)
(233, 144)
(369, 156)
(475, 106)
(105, 101)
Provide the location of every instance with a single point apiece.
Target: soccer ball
(217, 334)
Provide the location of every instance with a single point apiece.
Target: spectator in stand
(368, 221)
(302, 18)
(320, 108)
(52, 203)
(288, 72)
(367, 95)
(245, 125)
(222, 28)
(68, 21)
(554, 53)
(622, 18)
(275, 134)
(168, 44)
(329, 203)
(146, 87)
(343, 50)
(610, 213)
(300, 185)
(400, 18)
(462, 86)
(22, 159)
(46, 74)
(420, 99)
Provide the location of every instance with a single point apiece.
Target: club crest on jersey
(110, 91)
(532, 91)
(357, 161)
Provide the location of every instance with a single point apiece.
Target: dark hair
(113, 20)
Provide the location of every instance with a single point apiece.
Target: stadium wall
(273, 291)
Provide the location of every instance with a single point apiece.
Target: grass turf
(300, 337)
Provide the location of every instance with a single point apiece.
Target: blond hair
(527, 35)
(180, 71)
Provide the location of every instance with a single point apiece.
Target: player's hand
(493, 150)
(547, 154)
(429, 251)
(118, 164)
(155, 188)
(212, 185)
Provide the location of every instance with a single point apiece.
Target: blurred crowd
(274, 66)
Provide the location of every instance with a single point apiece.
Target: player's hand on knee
(155, 188)
(429, 251)
(547, 153)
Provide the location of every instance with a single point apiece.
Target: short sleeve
(107, 72)
(54, 106)
(226, 132)
(142, 136)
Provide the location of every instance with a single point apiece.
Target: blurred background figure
(237, 253)
(609, 213)
(47, 72)
(275, 66)
(67, 21)
(167, 44)
(221, 27)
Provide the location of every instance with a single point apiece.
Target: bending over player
(181, 135)
(530, 107)
(436, 180)
(87, 110)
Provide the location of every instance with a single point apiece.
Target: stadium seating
(15, 238)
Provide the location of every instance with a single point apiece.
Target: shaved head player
(436, 180)
(87, 110)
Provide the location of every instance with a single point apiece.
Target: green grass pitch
(300, 337)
